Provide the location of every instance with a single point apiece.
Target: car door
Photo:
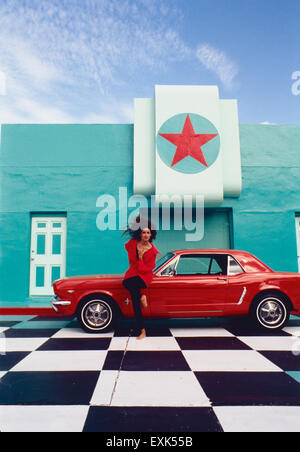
(193, 284)
(238, 283)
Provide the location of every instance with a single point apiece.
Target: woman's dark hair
(135, 229)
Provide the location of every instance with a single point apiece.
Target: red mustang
(187, 283)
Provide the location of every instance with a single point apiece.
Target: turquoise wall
(64, 168)
(60, 168)
(264, 215)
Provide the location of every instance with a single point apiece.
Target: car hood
(72, 282)
(89, 277)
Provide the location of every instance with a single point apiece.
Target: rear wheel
(96, 315)
(270, 311)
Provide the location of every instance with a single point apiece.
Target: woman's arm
(149, 265)
(131, 250)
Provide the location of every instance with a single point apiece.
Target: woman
(142, 256)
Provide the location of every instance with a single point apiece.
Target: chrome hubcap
(97, 314)
(271, 312)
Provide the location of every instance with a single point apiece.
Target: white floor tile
(118, 343)
(17, 344)
(62, 361)
(228, 361)
(3, 347)
(294, 330)
(259, 418)
(42, 418)
(153, 343)
(105, 387)
(3, 329)
(277, 343)
(159, 389)
(200, 332)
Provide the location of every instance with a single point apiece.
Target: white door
(298, 239)
(47, 253)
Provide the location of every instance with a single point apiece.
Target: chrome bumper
(55, 303)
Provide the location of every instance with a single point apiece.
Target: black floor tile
(244, 329)
(211, 343)
(113, 360)
(47, 388)
(287, 361)
(11, 359)
(151, 419)
(250, 388)
(34, 332)
(76, 344)
(154, 361)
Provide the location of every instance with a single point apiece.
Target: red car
(187, 283)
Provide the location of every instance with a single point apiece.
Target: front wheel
(96, 315)
(270, 312)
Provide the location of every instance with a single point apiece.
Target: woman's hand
(141, 253)
(142, 250)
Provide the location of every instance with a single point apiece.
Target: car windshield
(163, 260)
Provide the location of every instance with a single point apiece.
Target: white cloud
(67, 58)
(38, 69)
(27, 111)
(217, 61)
(96, 38)
(42, 113)
(267, 123)
(2, 84)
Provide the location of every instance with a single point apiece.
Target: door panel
(47, 253)
(203, 291)
(187, 295)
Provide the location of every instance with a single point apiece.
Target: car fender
(275, 289)
(107, 293)
(89, 292)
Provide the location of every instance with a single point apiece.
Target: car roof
(246, 259)
(213, 251)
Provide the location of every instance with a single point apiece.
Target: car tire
(270, 311)
(97, 314)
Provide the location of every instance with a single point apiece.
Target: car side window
(202, 265)
(234, 267)
(169, 270)
(215, 268)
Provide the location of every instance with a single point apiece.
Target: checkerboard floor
(186, 376)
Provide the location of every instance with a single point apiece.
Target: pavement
(206, 375)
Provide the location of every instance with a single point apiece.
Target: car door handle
(222, 279)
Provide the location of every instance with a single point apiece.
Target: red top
(143, 268)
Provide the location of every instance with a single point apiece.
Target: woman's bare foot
(144, 301)
(142, 335)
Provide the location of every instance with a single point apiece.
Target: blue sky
(83, 61)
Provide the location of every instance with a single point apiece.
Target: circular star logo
(188, 143)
